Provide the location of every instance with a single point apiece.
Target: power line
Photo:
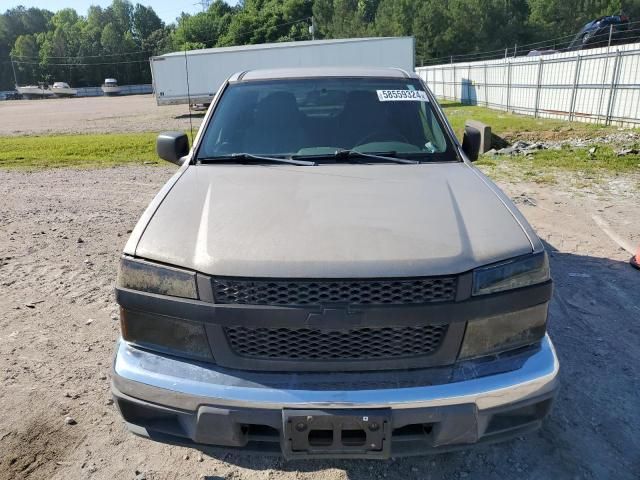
(89, 56)
(80, 64)
(499, 50)
(204, 4)
(540, 45)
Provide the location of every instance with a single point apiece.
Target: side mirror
(471, 142)
(172, 146)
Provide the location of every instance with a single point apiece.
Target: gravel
(46, 350)
(125, 114)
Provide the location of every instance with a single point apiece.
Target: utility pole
(204, 4)
(312, 28)
(15, 78)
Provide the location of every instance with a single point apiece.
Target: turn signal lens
(171, 335)
(504, 332)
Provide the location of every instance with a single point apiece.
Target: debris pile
(627, 151)
(626, 143)
(519, 148)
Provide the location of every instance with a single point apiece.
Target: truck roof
(314, 72)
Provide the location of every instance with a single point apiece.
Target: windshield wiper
(258, 158)
(386, 156)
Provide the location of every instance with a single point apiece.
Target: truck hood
(332, 221)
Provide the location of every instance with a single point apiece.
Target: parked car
(63, 90)
(110, 87)
(328, 275)
(597, 32)
(12, 95)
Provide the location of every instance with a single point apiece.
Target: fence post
(574, 92)
(538, 87)
(486, 87)
(455, 87)
(508, 84)
(602, 87)
(612, 89)
(469, 85)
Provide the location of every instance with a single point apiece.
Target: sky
(167, 10)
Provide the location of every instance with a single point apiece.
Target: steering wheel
(380, 133)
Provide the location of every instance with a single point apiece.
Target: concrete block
(485, 134)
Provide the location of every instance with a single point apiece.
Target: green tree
(345, 18)
(110, 39)
(25, 51)
(559, 18)
(120, 14)
(158, 42)
(67, 17)
(120, 31)
(145, 22)
(26, 47)
(260, 21)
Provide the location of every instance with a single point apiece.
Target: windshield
(320, 116)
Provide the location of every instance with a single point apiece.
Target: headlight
(504, 332)
(165, 334)
(154, 278)
(515, 273)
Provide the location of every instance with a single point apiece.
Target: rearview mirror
(172, 146)
(471, 142)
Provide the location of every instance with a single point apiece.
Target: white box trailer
(208, 68)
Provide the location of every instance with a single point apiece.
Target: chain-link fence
(601, 85)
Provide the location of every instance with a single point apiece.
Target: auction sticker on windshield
(402, 95)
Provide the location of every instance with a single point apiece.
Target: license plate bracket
(336, 433)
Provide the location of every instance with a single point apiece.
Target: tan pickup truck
(328, 275)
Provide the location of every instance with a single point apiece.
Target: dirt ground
(124, 114)
(61, 232)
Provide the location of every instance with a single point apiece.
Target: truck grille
(322, 292)
(354, 344)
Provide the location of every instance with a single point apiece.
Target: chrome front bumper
(232, 402)
(186, 385)
(482, 401)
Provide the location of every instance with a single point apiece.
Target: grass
(604, 159)
(512, 126)
(568, 159)
(104, 150)
(549, 166)
(542, 166)
(83, 151)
